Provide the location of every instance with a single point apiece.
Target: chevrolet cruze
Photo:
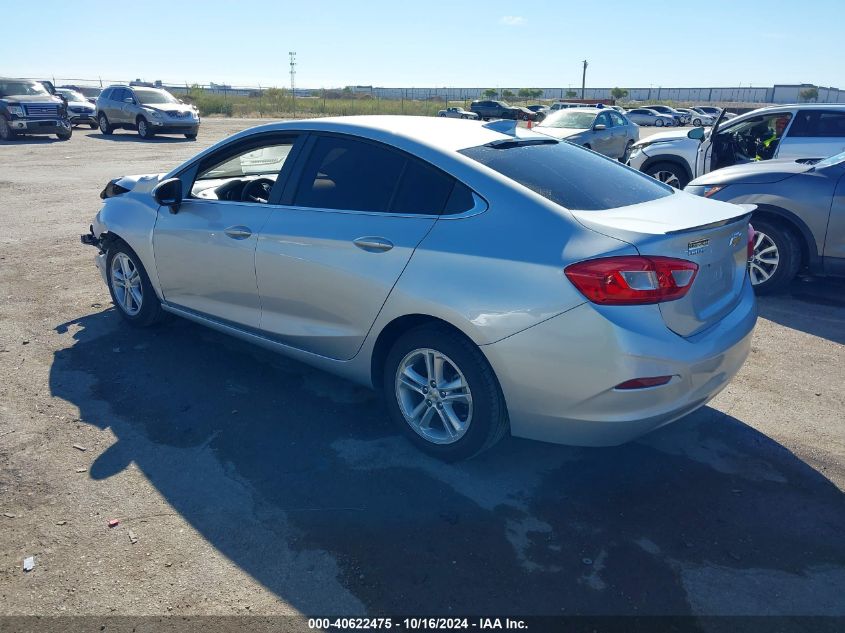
(485, 278)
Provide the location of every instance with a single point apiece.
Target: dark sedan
(800, 215)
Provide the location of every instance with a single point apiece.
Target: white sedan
(457, 113)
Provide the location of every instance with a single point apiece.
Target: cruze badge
(736, 238)
(698, 246)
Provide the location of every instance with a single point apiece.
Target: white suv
(789, 131)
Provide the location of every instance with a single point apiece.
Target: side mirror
(696, 133)
(599, 126)
(168, 193)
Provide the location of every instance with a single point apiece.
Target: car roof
(440, 133)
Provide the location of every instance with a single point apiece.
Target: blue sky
(485, 43)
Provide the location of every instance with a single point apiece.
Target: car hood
(81, 104)
(168, 107)
(756, 173)
(560, 132)
(31, 99)
(668, 136)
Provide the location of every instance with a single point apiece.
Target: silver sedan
(487, 279)
(645, 116)
(605, 131)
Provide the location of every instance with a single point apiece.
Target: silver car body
(79, 109)
(696, 118)
(292, 279)
(806, 196)
(457, 113)
(124, 106)
(614, 140)
(644, 116)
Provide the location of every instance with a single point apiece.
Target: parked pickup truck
(26, 107)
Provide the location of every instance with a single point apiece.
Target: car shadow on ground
(132, 137)
(33, 140)
(814, 305)
(297, 477)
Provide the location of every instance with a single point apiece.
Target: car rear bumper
(559, 377)
(39, 126)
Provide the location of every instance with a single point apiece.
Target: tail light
(751, 234)
(632, 280)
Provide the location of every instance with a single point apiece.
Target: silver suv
(151, 111)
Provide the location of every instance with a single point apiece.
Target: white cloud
(512, 20)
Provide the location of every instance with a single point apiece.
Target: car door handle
(373, 244)
(238, 232)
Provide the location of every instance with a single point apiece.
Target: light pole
(583, 79)
(292, 80)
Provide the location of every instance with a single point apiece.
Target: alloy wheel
(126, 284)
(764, 262)
(433, 396)
(668, 178)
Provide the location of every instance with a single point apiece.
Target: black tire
(489, 421)
(145, 130)
(93, 126)
(680, 177)
(624, 158)
(658, 123)
(6, 133)
(104, 125)
(789, 256)
(151, 311)
(191, 137)
(65, 136)
(696, 122)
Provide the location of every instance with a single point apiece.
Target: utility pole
(583, 80)
(293, 80)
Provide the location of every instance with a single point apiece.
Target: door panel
(834, 243)
(204, 268)
(320, 291)
(792, 147)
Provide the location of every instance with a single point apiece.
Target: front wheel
(130, 287)
(696, 122)
(658, 123)
(670, 174)
(442, 393)
(6, 132)
(776, 258)
(145, 131)
(627, 152)
(93, 126)
(191, 137)
(65, 136)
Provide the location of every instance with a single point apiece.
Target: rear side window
(571, 176)
(818, 124)
(348, 174)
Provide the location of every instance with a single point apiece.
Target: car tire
(624, 158)
(658, 123)
(138, 313)
(671, 174)
(191, 137)
(478, 400)
(696, 122)
(104, 125)
(144, 129)
(464, 116)
(65, 136)
(93, 126)
(443, 115)
(786, 257)
(6, 132)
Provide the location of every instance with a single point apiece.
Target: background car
(457, 113)
(501, 110)
(540, 111)
(715, 112)
(26, 107)
(644, 116)
(563, 105)
(89, 92)
(79, 109)
(680, 118)
(799, 219)
(812, 130)
(151, 111)
(450, 266)
(603, 130)
(698, 119)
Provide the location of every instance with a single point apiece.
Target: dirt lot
(256, 485)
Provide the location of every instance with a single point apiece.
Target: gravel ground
(245, 483)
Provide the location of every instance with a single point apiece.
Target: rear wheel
(64, 136)
(6, 132)
(696, 122)
(191, 137)
(105, 126)
(669, 173)
(93, 126)
(776, 258)
(627, 152)
(658, 123)
(442, 393)
(130, 288)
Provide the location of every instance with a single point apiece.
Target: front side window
(569, 119)
(617, 118)
(569, 175)
(246, 176)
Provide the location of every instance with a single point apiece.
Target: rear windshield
(569, 175)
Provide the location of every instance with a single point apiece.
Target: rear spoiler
(748, 208)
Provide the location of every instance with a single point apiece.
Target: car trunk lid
(712, 234)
